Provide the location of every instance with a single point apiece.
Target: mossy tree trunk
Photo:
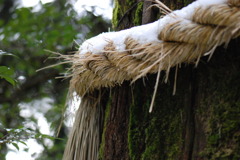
(201, 121)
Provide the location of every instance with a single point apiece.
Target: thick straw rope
(182, 40)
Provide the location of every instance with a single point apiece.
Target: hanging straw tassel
(83, 141)
(178, 38)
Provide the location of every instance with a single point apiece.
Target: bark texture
(200, 122)
(116, 132)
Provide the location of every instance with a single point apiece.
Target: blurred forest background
(25, 33)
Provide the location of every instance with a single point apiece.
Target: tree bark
(116, 134)
(200, 122)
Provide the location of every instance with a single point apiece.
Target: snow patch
(144, 33)
(96, 44)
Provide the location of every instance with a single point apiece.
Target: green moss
(106, 116)
(138, 14)
(187, 2)
(163, 135)
(130, 2)
(136, 133)
(135, 14)
(159, 135)
(155, 135)
(223, 135)
(220, 108)
(116, 14)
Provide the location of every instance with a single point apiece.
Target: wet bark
(200, 122)
(116, 134)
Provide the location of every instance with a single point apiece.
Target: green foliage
(14, 136)
(24, 35)
(7, 74)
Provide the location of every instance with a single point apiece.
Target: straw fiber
(183, 40)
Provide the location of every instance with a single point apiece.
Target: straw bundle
(107, 60)
(181, 40)
(84, 138)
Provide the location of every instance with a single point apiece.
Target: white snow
(97, 44)
(187, 12)
(145, 33)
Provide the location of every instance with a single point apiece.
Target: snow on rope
(182, 36)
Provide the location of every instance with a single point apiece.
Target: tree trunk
(201, 121)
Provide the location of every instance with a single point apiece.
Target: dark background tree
(24, 35)
(200, 122)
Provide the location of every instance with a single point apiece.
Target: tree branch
(31, 83)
